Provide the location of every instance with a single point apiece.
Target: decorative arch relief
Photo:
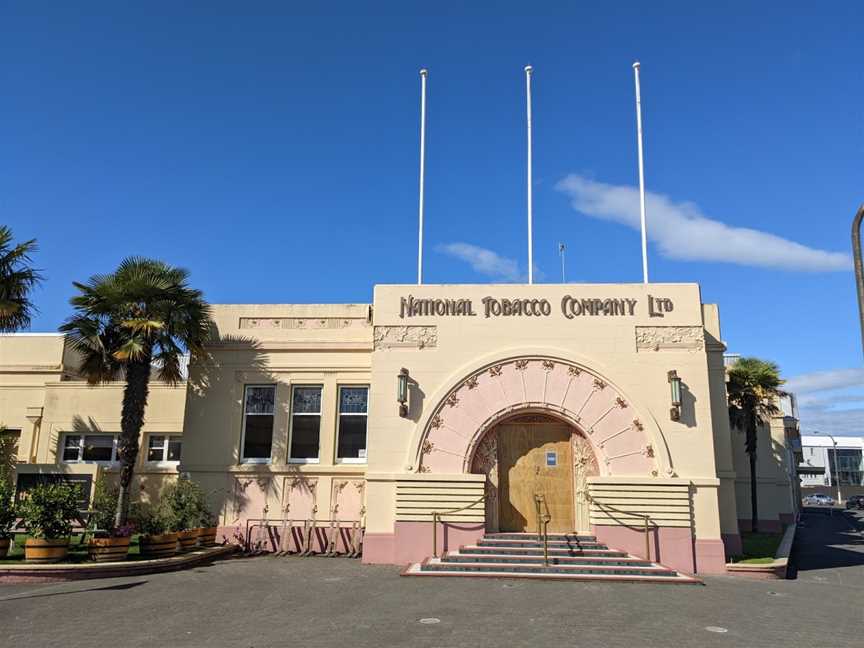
(615, 431)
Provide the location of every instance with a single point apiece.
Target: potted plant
(209, 527)
(185, 499)
(7, 514)
(48, 512)
(109, 542)
(155, 523)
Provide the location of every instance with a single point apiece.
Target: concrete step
(654, 573)
(467, 558)
(553, 544)
(538, 551)
(570, 537)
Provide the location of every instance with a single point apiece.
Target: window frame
(243, 414)
(339, 415)
(114, 461)
(166, 440)
(292, 414)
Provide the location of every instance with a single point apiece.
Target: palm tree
(17, 279)
(753, 388)
(140, 319)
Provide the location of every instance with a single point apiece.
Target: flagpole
(641, 174)
(528, 71)
(423, 74)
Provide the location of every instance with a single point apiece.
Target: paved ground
(335, 602)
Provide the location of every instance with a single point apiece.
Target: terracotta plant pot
(109, 549)
(159, 546)
(46, 550)
(188, 539)
(4, 546)
(207, 536)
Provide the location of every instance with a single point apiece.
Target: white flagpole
(641, 174)
(423, 74)
(528, 70)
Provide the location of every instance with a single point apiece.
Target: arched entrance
(530, 455)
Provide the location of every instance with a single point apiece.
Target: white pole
(528, 70)
(641, 175)
(423, 74)
(561, 252)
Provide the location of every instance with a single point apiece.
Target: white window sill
(161, 464)
(351, 460)
(256, 461)
(303, 461)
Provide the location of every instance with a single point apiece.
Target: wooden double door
(535, 457)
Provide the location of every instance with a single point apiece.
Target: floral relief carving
(620, 402)
(436, 422)
(452, 400)
(495, 371)
(649, 451)
(599, 385)
(548, 365)
(656, 338)
(637, 424)
(390, 337)
(427, 448)
(302, 323)
(574, 372)
(521, 365)
(471, 383)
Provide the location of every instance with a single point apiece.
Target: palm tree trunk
(132, 420)
(754, 502)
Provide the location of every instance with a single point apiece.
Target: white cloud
(483, 261)
(825, 380)
(681, 231)
(830, 401)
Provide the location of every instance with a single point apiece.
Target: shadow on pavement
(828, 539)
(120, 587)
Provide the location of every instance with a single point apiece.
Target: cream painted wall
(606, 345)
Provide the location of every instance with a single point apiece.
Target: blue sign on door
(552, 458)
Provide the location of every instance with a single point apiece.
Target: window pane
(70, 447)
(259, 400)
(352, 437)
(304, 437)
(353, 400)
(174, 448)
(307, 400)
(98, 447)
(258, 437)
(155, 448)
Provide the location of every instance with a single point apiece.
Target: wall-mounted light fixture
(402, 391)
(675, 385)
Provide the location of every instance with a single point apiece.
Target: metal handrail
(543, 520)
(437, 514)
(646, 519)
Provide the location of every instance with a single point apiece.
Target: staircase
(571, 557)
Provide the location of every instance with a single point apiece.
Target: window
(258, 407)
(353, 407)
(305, 424)
(90, 448)
(164, 448)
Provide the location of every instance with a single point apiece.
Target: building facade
(826, 466)
(463, 403)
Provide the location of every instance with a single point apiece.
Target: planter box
(159, 546)
(5, 542)
(207, 536)
(188, 539)
(46, 550)
(109, 549)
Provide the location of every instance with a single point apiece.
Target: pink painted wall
(412, 542)
(672, 546)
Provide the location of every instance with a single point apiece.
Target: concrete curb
(776, 570)
(25, 573)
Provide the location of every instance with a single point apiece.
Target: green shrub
(187, 504)
(103, 511)
(150, 519)
(7, 508)
(49, 509)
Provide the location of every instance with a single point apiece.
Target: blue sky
(274, 153)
